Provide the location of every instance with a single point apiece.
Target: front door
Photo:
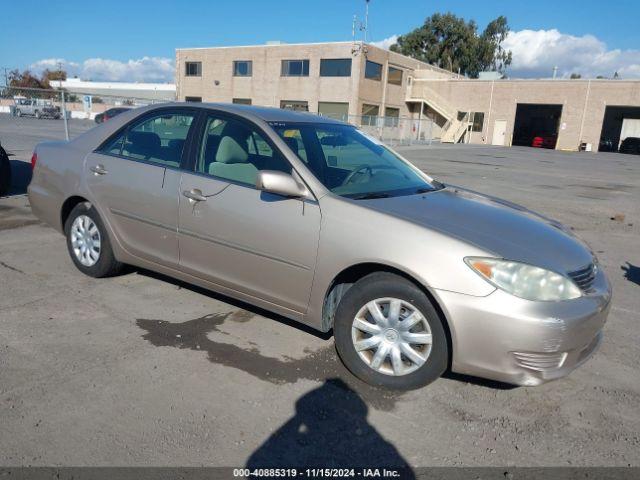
(134, 180)
(499, 132)
(259, 244)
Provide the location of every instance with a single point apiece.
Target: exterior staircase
(455, 127)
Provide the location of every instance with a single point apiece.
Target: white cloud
(386, 43)
(536, 52)
(145, 69)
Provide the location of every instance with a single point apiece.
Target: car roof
(267, 114)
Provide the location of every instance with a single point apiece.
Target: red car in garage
(546, 141)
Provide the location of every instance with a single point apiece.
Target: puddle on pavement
(317, 366)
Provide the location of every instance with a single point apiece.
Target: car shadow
(20, 177)
(234, 302)
(329, 430)
(631, 273)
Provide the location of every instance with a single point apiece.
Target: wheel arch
(350, 275)
(67, 206)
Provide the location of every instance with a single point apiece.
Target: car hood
(502, 228)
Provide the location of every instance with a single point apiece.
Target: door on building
(537, 125)
(499, 132)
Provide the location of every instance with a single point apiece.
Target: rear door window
(159, 139)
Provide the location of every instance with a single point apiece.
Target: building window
(335, 67)
(369, 114)
(373, 70)
(391, 117)
(299, 105)
(241, 101)
(193, 69)
(478, 122)
(337, 110)
(192, 99)
(295, 68)
(242, 68)
(394, 76)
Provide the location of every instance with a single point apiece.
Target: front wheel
(388, 333)
(88, 243)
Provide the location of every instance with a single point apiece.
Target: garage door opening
(619, 122)
(537, 125)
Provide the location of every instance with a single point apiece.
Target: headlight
(524, 281)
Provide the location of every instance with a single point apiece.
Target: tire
(18, 112)
(5, 173)
(405, 374)
(104, 264)
(37, 114)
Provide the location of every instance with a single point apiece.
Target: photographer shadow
(329, 430)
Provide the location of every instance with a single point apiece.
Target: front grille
(541, 362)
(584, 277)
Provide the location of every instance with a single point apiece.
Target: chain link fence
(66, 106)
(393, 130)
(63, 106)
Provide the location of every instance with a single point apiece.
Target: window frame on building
(367, 73)
(367, 118)
(249, 68)
(198, 69)
(193, 99)
(477, 125)
(241, 101)
(342, 67)
(390, 77)
(343, 116)
(286, 72)
(295, 102)
(392, 120)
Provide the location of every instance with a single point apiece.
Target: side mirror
(280, 183)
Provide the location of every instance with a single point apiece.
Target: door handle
(99, 170)
(195, 195)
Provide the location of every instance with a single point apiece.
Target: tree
(575, 76)
(453, 43)
(25, 79)
(53, 75)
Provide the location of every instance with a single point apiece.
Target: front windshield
(350, 163)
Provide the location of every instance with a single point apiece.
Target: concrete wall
(583, 103)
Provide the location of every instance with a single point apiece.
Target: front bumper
(505, 338)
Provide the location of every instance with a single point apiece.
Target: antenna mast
(363, 27)
(366, 19)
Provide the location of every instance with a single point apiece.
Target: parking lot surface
(145, 370)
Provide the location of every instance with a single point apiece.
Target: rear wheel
(88, 243)
(388, 333)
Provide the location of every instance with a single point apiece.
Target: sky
(135, 40)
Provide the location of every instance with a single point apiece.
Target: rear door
(134, 180)
(256, 243)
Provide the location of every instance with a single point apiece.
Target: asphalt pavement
(141, 369)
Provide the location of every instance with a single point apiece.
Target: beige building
(338, 79)
(361, 83)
